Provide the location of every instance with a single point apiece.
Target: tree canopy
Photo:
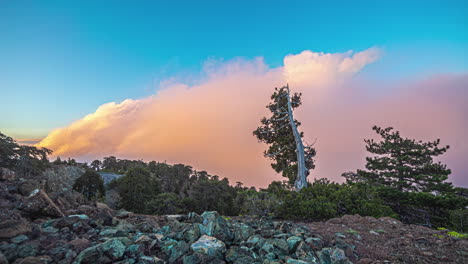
(286, 149)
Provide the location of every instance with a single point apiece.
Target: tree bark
(301, 176)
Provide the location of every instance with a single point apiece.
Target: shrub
(91, 185)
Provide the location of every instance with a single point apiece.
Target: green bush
(91, 185)
(324, 199)
(165, 203)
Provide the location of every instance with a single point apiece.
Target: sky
(187, 81)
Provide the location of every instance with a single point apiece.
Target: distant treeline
(401, 180)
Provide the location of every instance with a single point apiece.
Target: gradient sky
(61, 60)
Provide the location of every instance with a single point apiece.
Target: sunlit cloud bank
(210, 125)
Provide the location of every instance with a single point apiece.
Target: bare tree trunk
(301, 181)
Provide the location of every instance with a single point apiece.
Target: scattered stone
(19, 239)
(210, 246)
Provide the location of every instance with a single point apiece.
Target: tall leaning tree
(290, 155)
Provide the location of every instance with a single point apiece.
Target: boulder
(278, 247)
(210, 246)
(215, 225)
(7, 174)
(333, 256)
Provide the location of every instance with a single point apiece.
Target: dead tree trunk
(301, 177)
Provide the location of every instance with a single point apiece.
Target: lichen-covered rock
(333, 256)
(215, 225)
(278, 247)
(210, 246)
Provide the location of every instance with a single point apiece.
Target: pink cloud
(210, 125)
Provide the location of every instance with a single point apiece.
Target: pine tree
(404, 164)
(280, 131)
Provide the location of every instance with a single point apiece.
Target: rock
(27, 250)
(102, 206)
(80, 243)
(61, 178)
(107, 252)
(19, 239)
(365, 261)
(28, 186)
(215, 225)
(40, 204)
(122, 213)
(304, 252)
(175, 217)
(80, 216)
(297, 261)
(113, 248)
(9, 251)
(315, 242)
(242, 232)
(255, 241)
(239, 255)
(279, 247)
(35, 260)
(3, 259)
(210, 246)
(150, 260)
(7, 174)
(12, 228)
(193, 217)
(293, 242)
(333, 256)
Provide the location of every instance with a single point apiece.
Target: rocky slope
(61, 227)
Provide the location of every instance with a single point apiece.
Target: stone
(9, 251)
(279, 247)
(304, 252)
(102, 206)
(215, 225)
(35, 260)
(333, 256)
(122, 213)
(13, 228)
(80, 243)
(296, 261)
(7, 174)
(293, 242)
(80, 216)
(27, 250)
(210, 246)
(255, 241)
(239, 255)
(107, 252)
(19, 239)
(113, 248)
(193, 217)
(3, 259)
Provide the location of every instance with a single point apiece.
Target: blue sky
(60, 60)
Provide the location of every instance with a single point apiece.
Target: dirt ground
(387, 240)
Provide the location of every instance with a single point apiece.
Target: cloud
(210, 125)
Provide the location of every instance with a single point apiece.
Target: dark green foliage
(136, 188)
(459, 220)
(25, 160)
(405, 164)
(278, 134)
(260, 203)
(96, 165)
(324, 199)
(409, 180)
(91, 185)
(214, 195)
(165, 203)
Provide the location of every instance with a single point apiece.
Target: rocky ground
(47, 225)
